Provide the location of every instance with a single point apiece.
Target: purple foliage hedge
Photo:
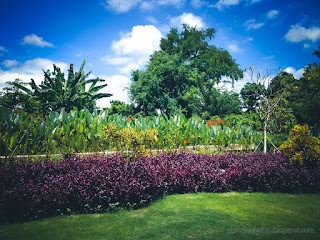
(98, 183)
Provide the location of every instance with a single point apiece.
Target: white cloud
(34, 40)
(255, 1)
(251, 24)
(147, 5)
(250, 39)
(225, 3)
(298, 33)
(187, 18)
(3, 49)
(121, 6)
(9, 63)
(134, 48)
(296, 73)
(269, 57)
(151, 20)
(129, 68)
(233, 48)
(272, 14)
(116, 86)
(306, 45)
(116, 60)
(198, 3)
(142, 40)
(177, 3)
(30, 69)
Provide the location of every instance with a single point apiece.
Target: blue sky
(117, 36)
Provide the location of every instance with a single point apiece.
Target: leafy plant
(56, 92)
(98, 183)
(131, 141)
(302, 148)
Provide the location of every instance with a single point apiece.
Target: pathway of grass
(188, 216)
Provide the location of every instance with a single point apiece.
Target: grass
(189, 216)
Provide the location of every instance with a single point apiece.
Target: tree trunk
(265, 137)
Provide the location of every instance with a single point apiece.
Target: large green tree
(182, 75)
(56, 92)
(305, 100)
(302, 95)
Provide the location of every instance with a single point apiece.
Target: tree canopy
(305, 99)
(181, 76)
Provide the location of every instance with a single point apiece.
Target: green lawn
(188, 216)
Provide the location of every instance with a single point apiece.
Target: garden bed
(198, 148)
(98, 183)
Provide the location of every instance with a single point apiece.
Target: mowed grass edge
(230, 215)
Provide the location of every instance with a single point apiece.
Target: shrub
(105, 182)
(302, 148)
(137, 143)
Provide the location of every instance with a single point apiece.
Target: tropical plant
(14, 98)
(82, 131)
(56, 92)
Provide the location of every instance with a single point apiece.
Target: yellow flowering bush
(302, 148)
(131, 141)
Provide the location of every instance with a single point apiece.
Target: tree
(269, 101)
(302, 95)
(182, 75)
(251, 95)
(305, 100)
(118, 107)
(283, 119)
(56, 92)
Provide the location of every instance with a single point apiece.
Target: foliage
(121, 108)
(81, 131)
(283, 119)
(251, 95)
(247, 119)
(269, 103)
(56, 92)
(302, 148)
(14, 98)
(306, 98)
(101, 182)
(130, 140)
(181, 76)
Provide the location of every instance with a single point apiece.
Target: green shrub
(131, 141)
(302, 148)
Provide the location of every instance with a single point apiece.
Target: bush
(302, 148)
(137, 143)
(105, 182)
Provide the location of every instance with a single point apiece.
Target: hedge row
(105, 182)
